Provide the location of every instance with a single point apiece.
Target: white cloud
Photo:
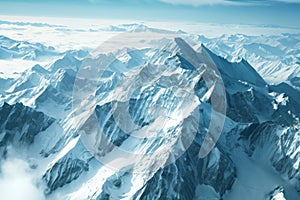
(197, 2)
(290, 1)
(16, 182)
(224, 2)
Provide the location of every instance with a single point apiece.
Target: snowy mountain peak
(39, 69)
(187, 55)
(68, 61)
(179, 45)
(241, 70)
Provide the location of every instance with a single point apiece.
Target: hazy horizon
(274, 12)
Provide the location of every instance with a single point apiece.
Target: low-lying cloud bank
(17, 183)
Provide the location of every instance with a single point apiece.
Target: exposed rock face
(19, 125)
(72, 168)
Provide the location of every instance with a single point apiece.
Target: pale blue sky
(263, 12)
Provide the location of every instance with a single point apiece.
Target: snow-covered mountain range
(11, 49)
(276, 58)
(130, 124)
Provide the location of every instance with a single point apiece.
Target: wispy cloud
(226, 2)
(198, 2)
(289, 1)
(16, 182)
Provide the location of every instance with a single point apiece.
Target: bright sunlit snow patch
(282, 99)
(65, 150)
